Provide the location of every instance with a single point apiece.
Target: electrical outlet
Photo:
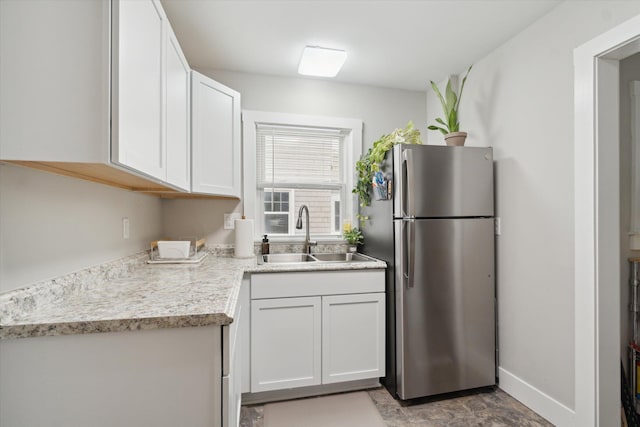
(498, 226)
(125, 228)
(229, 220)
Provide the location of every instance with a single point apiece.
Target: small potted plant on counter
(450, 126)
(354, 237)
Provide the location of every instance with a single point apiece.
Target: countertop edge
(221, 318)
(112, 325)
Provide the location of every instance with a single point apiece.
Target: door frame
(597, 223)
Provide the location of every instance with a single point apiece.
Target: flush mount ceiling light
(321, 61)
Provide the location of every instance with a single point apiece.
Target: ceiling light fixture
(321, 61)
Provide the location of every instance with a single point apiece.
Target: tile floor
(492, 408)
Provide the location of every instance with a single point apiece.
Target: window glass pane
(336, 217)
(276, 223)
(276, 201)
(319, 203)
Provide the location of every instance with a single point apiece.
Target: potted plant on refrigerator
(370, 162)
(450, 124)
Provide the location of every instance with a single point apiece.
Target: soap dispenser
(265, 245)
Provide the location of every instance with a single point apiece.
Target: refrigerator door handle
(408, 267)
(407, 181)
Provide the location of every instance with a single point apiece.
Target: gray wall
(51, 225)
(382, 110)
(629, 71)
(519, 99)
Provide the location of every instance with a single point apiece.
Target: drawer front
(300, 284)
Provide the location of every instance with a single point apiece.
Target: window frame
(353, 151)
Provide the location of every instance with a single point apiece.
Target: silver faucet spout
(307, 240)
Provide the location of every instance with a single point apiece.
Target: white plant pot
(455, 139)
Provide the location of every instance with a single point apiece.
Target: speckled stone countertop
(142, 297)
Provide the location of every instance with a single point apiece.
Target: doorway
(597, 223)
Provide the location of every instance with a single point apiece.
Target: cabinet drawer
(301, 284)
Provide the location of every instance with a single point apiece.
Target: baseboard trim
(541, 403)
(315, 390)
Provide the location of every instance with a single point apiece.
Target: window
(293, 160)
(277, 215)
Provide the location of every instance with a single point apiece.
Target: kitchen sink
(286, 258)
(348, 257)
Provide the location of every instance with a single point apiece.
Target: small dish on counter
(179, 251)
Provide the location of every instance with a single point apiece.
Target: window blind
(298, 157)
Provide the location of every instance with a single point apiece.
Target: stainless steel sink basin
(348, 257)
(289, 258)
(286, 258)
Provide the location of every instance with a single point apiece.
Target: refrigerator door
(437, 181)
(445, 318)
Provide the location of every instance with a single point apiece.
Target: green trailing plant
(353, 236)
(450, 103)
(370, 162)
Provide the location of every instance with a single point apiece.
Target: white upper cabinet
(151, 95)
(54, 81)
(138, 140)
(178, 126)
(115, 106)
(215, 138)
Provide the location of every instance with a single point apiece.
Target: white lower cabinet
(285, 343)
(352, 337)
(169, 377)
(234, 348)
(160, 377)
(316, 328)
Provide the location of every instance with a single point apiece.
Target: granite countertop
(147, 297)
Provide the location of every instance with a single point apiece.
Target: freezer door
(437, 181)
(445, 312)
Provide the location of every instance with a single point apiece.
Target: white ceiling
(396, 44)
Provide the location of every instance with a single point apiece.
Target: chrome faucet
(307, 241)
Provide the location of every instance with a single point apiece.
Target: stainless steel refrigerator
(436, 233)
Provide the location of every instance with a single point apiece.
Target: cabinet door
(352, 337)
(233, 350)
(285, 343)
(215, 137)
(178, 126)
(137, 140)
